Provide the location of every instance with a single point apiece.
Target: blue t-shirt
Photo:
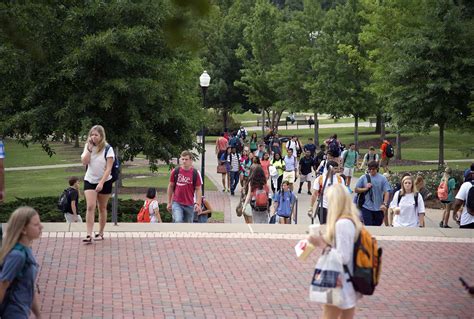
(20, 269)
(284, 204)
(374, 198)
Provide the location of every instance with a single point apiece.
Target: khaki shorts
(384, 162)
(306, 178)
(289, 176)
(349, 171)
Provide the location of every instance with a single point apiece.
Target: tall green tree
(424, 70)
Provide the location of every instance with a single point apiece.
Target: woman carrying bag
(343, 228)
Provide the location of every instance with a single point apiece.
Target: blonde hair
(447, 174)
(99, 129)
(419, 182)
(19, 219)
(340, 206)
(187, 154)
(413, 186)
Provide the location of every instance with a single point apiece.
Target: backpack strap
(195, 176)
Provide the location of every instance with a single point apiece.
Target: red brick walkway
(126, 277)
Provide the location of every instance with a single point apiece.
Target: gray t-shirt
(20, 269)
(374, 198)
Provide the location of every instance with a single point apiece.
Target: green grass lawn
(249, 116)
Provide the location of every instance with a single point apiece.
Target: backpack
(176, 173)
(470, 200)
(320, 181)
(115, 166)
(361, 196)
(280, 198)
(144, 213)
(334, 148)
(63, 201)
(243, 134)
(261, 200)
(443, 190)
(389, 152)
(367, 263)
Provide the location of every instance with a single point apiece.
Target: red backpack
(443, 190)
(261, 199)
(144, 213)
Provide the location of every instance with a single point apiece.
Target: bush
(432, 178)
(46, 206)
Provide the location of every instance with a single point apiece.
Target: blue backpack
(116, 165)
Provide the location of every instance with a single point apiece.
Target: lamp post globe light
(204, 81)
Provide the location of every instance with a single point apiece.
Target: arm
(3, 289)
(208, 207)
(197, 206)
(86, 154)
(247, 198)
(35, 308)
(457, 205)
(170, 192)
(386, 198)
(157, 214)
(74, 211)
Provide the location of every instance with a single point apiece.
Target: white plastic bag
(325, 279)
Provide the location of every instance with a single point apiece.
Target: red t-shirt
(383, 150)
(222, 143)
(184, 189)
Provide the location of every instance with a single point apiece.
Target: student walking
(283, 203)
(234, 162)
(368, 157)
(206, 211)
(19, 268)
(408, 205)
(72, 210)
(349, 161)
(343, 227)
(257, 196)
(185, 183)
(98, 157)
(465, 197)
(153, 206)
(279, 165)
(377, 196)
(306, 166)
(446, 195)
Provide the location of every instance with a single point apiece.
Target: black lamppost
(204, 81)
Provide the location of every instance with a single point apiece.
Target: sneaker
(309, 193)
(299, 191)
(446, 226)
(441, 224)
(232, 193)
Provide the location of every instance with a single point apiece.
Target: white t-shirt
(151, 210)
(408, 216)
(97, 164)
(345, 236)
(466, 218)
(336, 179)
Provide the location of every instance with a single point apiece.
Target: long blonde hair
(447, 174)
(19, 219)
(413, 186)
(100, 129)
(340, 206)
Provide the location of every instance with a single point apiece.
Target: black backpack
(414, 195)
(361, 196)
(334, 149)
(176, 173)
(389, 151)
(470, 200)
(64, 201)
(115, 166)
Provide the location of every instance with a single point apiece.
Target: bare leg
(102, 199)
(223, 180)
(91, 202)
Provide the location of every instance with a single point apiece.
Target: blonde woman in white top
(342, 230)
(407, 212)
(97, 182)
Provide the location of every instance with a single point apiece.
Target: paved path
(194, 275)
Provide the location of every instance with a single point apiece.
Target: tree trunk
(356, 132)
(398, 155)
(66, 139)
(277, 119)
(441, 145)
(316, 129)
(382, 129)
(225, 118)
(263, 123)
(76, 141)
(378, 125)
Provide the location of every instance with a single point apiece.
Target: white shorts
(69, 218)
(349, 172)
(306, 178)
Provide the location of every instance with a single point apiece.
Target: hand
(74, 218)
(383, 208)
(317, 241)
(99, 187)
(197, 209)
(369, 185)
(168, 207)
(90, 143)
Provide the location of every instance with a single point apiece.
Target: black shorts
(107, 189)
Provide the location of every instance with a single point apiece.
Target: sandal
(87, 240)
(98, 237)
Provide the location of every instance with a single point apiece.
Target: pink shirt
(265, 164)
(184, 189)
(222, 143)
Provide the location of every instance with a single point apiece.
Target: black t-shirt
(306, 165)
(73, 196)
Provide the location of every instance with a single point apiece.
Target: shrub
(46, 206)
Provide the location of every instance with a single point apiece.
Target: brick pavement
(178, 275)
